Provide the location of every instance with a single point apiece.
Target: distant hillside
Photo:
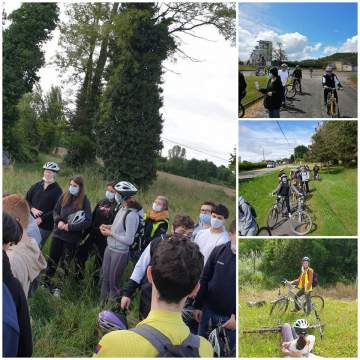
(350, 58)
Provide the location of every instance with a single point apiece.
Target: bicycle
(263, 231)
(292, 88)
(281, 304)
(332, 106)
(300, 221)
(279, 208)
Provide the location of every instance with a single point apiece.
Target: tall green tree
(131, 123)
(300, 152)
(31, 26)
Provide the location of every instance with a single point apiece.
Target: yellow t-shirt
(125, 343)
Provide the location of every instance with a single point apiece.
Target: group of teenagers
(185, 265)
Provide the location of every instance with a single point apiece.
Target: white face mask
(156, 207)
(216, 223)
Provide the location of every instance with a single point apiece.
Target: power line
(283, 134)
(196, 150)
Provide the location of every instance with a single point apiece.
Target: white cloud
(329, 50)
(350, 45)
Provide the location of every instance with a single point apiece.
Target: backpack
(315, 280)
(252, 210)
(189, 348)
(139, 243)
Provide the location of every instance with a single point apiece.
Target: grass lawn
(339, 317)
(333, 200)
(246, 67)
(251, 92)
(67, 327)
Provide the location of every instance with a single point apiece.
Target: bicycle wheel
(272, 217)
(334, 110)
(317, 302)
(264, 231)
(279, 307)
(241, 111)
(293, 200)
(300, 222)
(290, 91)
(297, 87)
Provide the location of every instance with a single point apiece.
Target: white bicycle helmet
(125, 189)
(301, 326)
(220, 342)
(51, 166)
(329, 68)
(111, 321)
(76, 218)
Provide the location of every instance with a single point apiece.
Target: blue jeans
(208, 314)
(274, 113)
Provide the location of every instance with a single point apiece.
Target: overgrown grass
(339, 317)
(246, 67)
(66, 327)
(251, 92)
(333, 201)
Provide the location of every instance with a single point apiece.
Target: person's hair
(12, 229)
(79, 199)
(164, 200)
(222, 210)
(133, 204)
(301, 342)
(184, 221)
(176, 268)
(5, 194)
(16, 206)
(232, 228)
(210, 203)
(111, 183)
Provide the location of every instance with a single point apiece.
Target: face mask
(216, 223)
(205, 218)
(110, 195)
(156, 207)
(118, 198)
(73, 190)
(284, 180)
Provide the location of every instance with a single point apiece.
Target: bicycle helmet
(305, 258)
(283, 176)
(111, 321)
(301, 326)
(220, 342)
(329, 69)
(125, 189)
(284, 65)
(76, 218)
(51, 166)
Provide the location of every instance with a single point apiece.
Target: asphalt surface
(245, 175)
(310, 103)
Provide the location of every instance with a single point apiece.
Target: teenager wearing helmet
(216, 299)
(42, 198)
(304, 283)
(295, 340)
(174, 274)
(26, 258)
(120, 236)
(283, 189)
(12, 234)
(274, 93)
(96, 242)
(72, 215)
(330, 81)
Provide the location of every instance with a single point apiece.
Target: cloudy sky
(200, 98)
(306, 30)
(258, 137)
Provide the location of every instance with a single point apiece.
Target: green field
(246, 67)
(333, 200)
(251, 92)
(338, 315)
(66, 327)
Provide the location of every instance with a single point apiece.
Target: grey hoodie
(246, 220)
(121, 240)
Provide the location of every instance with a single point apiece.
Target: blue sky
(307, 30)
(258, 136)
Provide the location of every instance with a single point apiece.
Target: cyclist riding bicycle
(297, 75)
(330, 81)
(283, 189)
(305, 284)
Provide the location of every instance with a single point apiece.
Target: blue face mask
(73, 190)
(205, 218)
(118, 198)
(110, 195)
(216, 223)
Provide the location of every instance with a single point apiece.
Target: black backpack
(139, 243)
(189, 348)
(252, 210)
(315, 280)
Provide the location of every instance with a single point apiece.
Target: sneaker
(57, 293)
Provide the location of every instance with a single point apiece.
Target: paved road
(245, 175)
(310, 103)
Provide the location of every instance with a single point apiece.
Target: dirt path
(244, 175)
(191, 183)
